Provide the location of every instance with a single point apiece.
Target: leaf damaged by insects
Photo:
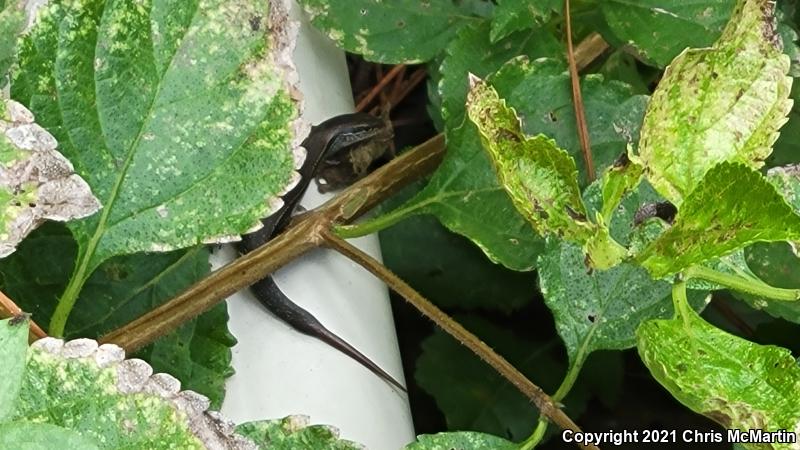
(618, 180)
(732, 207)
(540, 178)
(94, 390)
(737, 383)
(718, 104)
(36, 182)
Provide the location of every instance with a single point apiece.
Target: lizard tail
(270, 295)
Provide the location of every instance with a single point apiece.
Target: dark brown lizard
(327, 141)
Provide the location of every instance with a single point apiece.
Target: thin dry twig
(399, 82)
(577, 100)
(10, 309)
(413, 81)
(396, 70)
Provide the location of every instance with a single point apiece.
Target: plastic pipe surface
(280, 372)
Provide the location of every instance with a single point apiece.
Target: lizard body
(327, 140)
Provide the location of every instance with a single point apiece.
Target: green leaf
(461, 440)
(12, 22)
(119, 291)
(294, 433)
(181, 138)
(601, 309)
(118, 403)
(392, 32)
(13, 347)
(720, 104)
(472, 52)
(618, 180)
(777, 265)
(736, 383)
(470, 394)
(658, 30)
(517, 15)
(540, 178)
(624, 67)
(41, 436)
(464, 193)
(449, 270)
(732, 207)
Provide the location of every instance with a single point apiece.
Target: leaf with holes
(724, 103)
(601, 309)
(464, 193)
(739, 384)
(391, 32)
(732, 207)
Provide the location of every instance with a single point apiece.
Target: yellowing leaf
(732, 207)
(540, 178)
(724, 103)
(739, 384)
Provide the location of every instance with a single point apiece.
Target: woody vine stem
(314, 230)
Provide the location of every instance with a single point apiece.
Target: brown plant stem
(417, 77)
(378, 89)
(543, 402)
(303, 235)
(589, 49)
(213, 289)
(10, 309)
(577, 100)
(312, 230)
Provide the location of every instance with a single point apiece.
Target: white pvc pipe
(280, 372)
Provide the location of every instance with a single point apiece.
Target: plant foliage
(179, 118)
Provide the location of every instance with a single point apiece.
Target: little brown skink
(326, 140)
